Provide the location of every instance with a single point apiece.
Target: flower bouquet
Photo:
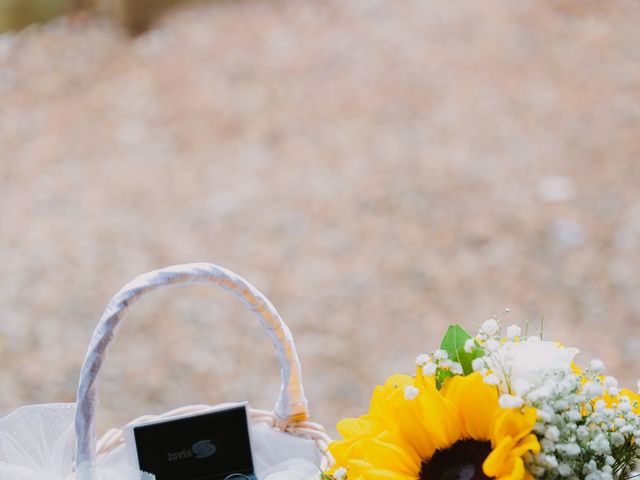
(493, 406)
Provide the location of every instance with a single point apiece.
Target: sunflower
(414, 431)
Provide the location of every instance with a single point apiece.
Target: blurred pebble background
(378, 169)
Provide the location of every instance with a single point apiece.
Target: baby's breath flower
(552, 433)
(596, 366)
(440, 355)
(593, 390)
(490, 328)
(429, 369)
(478, 364)
(340, 473)
(456, 368)
(491, 379)
(469, 345)
(410, 392)
(510, 401)
(446, 364)
(422, 360)
(513, 332)
(520, 387)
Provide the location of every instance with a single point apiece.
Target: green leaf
(453, 343)
(441, 376)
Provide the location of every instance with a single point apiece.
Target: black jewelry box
(214, 445)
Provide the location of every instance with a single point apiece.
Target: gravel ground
(378, 169)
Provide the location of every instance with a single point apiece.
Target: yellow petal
(354, 427)
(476, 415)
(388, 455)
(381, 474)
(358, 468)
(395, 382)
(527, 444)
(498, 459)
(513, 423)
(382, 409)
(515, 472)
(344, 450)
(440, 417)
(411, 426)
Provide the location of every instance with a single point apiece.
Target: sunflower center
(461, 461)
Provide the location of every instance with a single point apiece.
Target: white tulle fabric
(275, 451)
(37, 442)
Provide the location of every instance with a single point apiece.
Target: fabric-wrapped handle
(292, 405)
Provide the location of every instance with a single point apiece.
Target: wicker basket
(291, 410)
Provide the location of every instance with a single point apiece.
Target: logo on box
(201, 449)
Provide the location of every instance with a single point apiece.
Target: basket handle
(292, 405)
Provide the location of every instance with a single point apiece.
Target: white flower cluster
(586, 428)
(515, 363)
(438, 360)
(488, 338)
